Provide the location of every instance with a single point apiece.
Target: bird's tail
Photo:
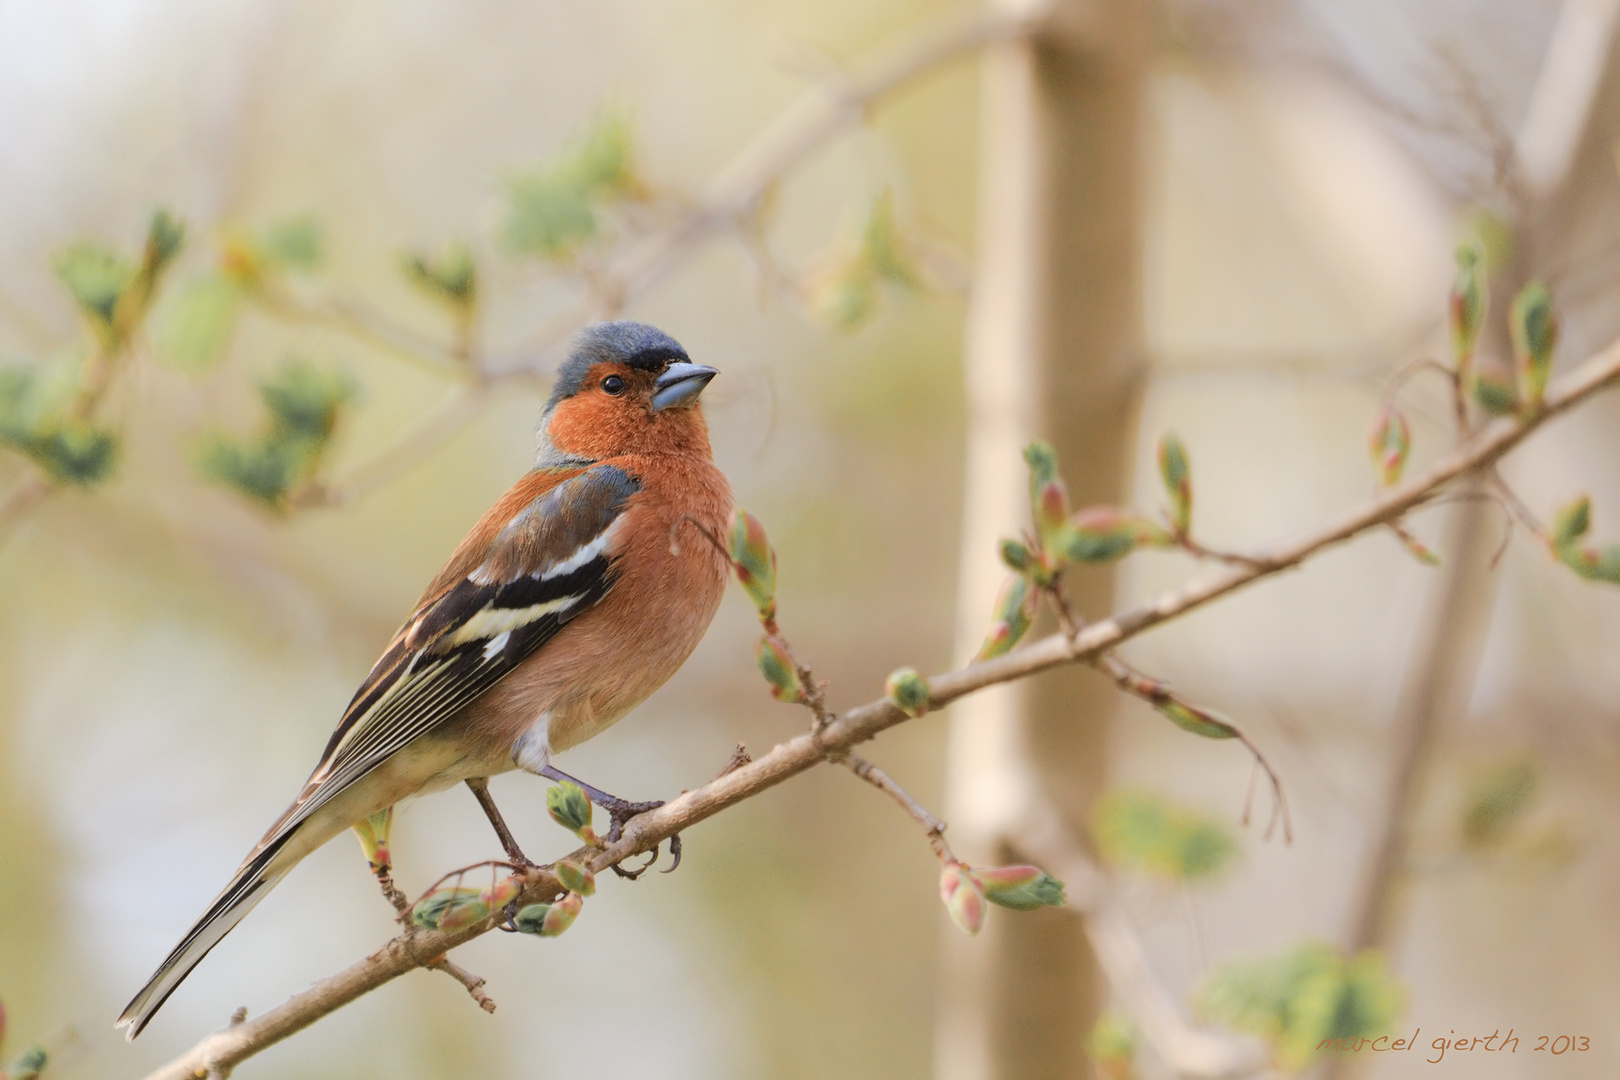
(257, 877)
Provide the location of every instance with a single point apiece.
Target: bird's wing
(500, 598)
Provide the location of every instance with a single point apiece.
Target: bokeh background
(174, 655)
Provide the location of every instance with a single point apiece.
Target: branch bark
(221, 1052)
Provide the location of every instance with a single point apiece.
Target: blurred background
(418, 202)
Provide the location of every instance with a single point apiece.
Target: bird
(566, 605)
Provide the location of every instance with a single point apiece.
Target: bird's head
(627, 388)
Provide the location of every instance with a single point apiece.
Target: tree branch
(223, 1051)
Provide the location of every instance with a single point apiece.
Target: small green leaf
(97, 279)
(550, 920)
(1496, 395)
(568, 807)
(1572, 522)
(754, 561)
(554, 210)
(1177, 477)
(575, 877)
(1534, 327)
(1142, 832)
(777, 666)
(1469, 297)
(1022, 888)
(197, 330)
(1206, 722)
(295, 244)
(1015, 611)
(1496, 800)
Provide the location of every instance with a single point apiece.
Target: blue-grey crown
(635, 344)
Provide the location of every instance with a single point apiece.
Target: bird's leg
(480, 790)
(620, 811)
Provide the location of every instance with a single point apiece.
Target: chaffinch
(564, 608)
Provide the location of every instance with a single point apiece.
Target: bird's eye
(613, 385)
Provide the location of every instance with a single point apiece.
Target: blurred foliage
(1113, 1046)
(847, 291)
(1140, 831)
(557, 208)
(196, 331)
(1496, 801)
(36, 420)
(1301, 998)
(304, 402)
(452, 276)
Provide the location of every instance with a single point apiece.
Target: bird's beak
(680, 385)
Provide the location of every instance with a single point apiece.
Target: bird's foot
(621, 811)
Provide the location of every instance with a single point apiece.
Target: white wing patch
(491, 621)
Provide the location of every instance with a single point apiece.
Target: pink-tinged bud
(373, 834)
(963, 896)
(501, 893)
(549, 920)
(1105, 533)
(1494, 394)
(777, 666)
(1389, 442)
(1534, 327)
(1572, 522)
(755, 562)
(1469, 296)
(1022, 888)
(568, 807)
(1205, 722)
(1417, 548)
(1593, 564)
(1051, 507)
(907, 691)
(1015, 610)
(575, 878)
(1177, 477)
(450, 909)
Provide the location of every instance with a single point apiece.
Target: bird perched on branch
(566, 606)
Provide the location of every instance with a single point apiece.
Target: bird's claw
(621, 811)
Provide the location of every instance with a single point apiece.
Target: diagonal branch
(223, 1051)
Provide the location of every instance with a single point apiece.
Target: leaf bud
(1495, 394)
(907, 691)
(1535, 335)
(1015, 611)
(549, 920)
(373, 834)
(754, 560)
(1177, 477)
(1466, 311)
(568, 807)
(1572, 522)
(1205, 722)
(502, 892)
(1593, 564)
(963, 896)
(1022, 888)
(27, 1065)
(1388, 443)
(450, 908)
(1104, 533)
(777, 666)
(1016, 556)
(575, 877)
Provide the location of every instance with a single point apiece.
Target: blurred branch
(221, 1052)
(21, 499)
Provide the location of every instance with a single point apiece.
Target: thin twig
(473, 983)
(407, 952)
(881, 780)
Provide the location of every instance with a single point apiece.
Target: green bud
(1417, 548)
(373, 834)
(1535, 335)
(1015, 610)
(777, 667)
(1016, 555)
(1572, 522)
(1022, 888)
(1043, 463)
(1494, 394)
(450, 908)
(754, 560)
(568, 807)
(1469, 297)
(575, 878)
(1388, 443)
(165, 236)
(549, 920)
(1593, 564)
(1177, 477)
(1104, 533)
(1205, 722)
(453, 277)
(907, 691)
(963, 897)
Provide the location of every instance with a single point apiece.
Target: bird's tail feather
(256, 878)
